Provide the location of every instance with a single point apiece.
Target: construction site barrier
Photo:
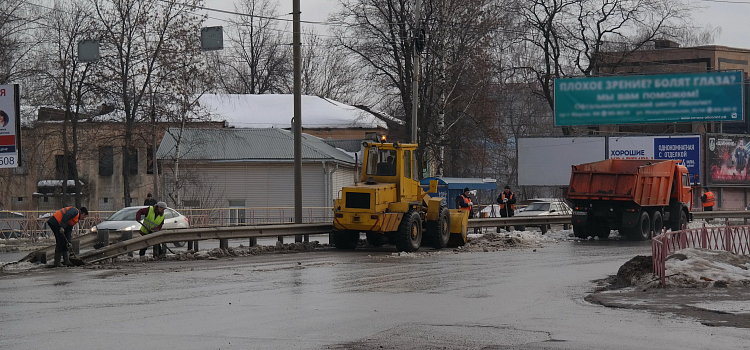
(733, 239)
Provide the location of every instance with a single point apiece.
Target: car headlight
(94, 229)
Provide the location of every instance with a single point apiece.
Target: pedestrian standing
(61, 223)
(153, 219)
(463, 202)
(149, 200)
(707, 199)
(507, 201)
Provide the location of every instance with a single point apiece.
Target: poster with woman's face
(8, 138)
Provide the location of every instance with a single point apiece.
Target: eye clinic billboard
(10, 126)
(685, 148)
(660, 98)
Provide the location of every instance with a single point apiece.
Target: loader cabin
(392, 163)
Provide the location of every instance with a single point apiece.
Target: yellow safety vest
(151, 221)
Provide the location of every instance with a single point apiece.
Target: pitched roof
(277, 110)
(245, 145)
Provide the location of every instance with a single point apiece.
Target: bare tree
(257, 59)
(18, 26)
(328, 71)
(136, 34)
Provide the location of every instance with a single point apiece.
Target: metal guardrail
(233, 232)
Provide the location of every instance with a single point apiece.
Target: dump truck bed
(645, 182)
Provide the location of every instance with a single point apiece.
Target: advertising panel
(10, 126)
(661, 98)
(726, 158)
(547, 161)
(685, 148)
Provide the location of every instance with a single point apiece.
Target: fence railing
(733, 239)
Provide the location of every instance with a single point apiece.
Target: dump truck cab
(389, 204)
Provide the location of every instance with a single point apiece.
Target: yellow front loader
(390, 205)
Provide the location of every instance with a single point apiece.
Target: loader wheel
(409, 235)
(345, 239)
(375, 239)
(439, 232)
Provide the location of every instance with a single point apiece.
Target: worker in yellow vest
(62, 223)
(152, 222)
(708, 199)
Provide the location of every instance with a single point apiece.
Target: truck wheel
(345, 239)
(439, 232)
(409, 235)
(601, 230)
(642, 231)
(580, 232)
(375, 239)
(657, 224)
(677, 226)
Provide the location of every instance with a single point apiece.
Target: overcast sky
(732, 16)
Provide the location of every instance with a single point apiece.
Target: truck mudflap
(630, 218)
(579, 219)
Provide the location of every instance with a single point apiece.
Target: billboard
(547, 161)
(10, 126)
(661, 98)
(726, 159)
(685, 148)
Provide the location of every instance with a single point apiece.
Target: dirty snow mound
(695, 267)
(492, 242)
(217, 253)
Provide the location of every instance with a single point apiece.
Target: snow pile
(492, 242)
(695, 267)
(14, 267)
(217, 253)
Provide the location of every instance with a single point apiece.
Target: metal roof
(245, 145)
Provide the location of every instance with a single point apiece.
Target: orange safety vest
(709, 199)
(466, 201)
(59, 215)
(502, 205)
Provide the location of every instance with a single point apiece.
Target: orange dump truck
(634, 196)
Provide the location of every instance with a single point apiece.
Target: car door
(170, 219)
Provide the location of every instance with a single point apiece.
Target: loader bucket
(459, 223)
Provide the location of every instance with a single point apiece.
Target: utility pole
(296, 28)
(416, 70)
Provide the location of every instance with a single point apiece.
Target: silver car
(124, 220)
(544, 208)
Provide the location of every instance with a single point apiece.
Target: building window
(149, 160)
(20, 199)
(133, 163)
(61, 172)
(105, 199)
(46, 199)
(106, 161)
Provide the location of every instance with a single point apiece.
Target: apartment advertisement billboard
(659, 98)
(726, 158)
(547, 161)
(684, 148)
(10, 126)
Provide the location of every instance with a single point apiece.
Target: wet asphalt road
(366, 299)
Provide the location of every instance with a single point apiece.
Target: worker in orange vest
(708, 199)
(62, 223)
(507, 201)
(463, 201)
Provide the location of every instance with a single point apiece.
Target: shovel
(74, 259)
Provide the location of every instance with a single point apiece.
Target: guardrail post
(126, 235)
(102, 238)
(224, 243)
(253, 241)
(189, 245)
(195, 246)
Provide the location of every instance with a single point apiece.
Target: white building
(250, 168)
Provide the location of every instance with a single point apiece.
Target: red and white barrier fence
(733, 239)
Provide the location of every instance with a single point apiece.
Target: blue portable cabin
(451, 187)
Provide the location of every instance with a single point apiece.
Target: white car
(124, 220)
(544, 208)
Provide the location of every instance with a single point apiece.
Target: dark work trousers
(711, 208)
(61, 242)
(506, 213)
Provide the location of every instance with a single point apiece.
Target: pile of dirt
(637, 271)
(492, 242)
